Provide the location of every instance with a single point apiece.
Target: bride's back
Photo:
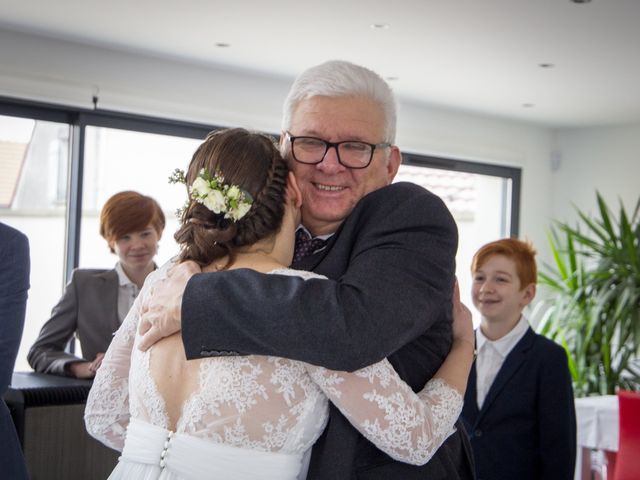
(257, 402)
(174, 376)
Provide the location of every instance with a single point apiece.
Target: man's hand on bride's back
(161, 312)
(462, 320)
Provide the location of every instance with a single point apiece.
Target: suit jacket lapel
(110, 285)
(471, 394)
(511, 364)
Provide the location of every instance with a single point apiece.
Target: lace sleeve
(106, 415)
(407, 426)
(107, 412)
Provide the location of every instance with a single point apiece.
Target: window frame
(79, 118)
(466, 166)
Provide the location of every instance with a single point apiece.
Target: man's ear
(395, 159)
(293, 191)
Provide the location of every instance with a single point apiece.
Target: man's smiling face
(330, 190)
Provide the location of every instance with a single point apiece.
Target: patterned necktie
(305, 245)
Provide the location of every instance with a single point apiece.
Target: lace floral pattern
(408, 427)
(269, 404)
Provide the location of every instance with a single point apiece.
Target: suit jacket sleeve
(14, 285)
(47, 354)
(392, 263)
(557, 425)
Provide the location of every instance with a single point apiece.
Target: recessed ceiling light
(391, 79)
(546, 65)
(380, 26)
(528, 105)
(223, 44)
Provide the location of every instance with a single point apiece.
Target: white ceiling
(476, 55)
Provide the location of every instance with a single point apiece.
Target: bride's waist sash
(196, 458)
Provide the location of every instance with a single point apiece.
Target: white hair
(338, 78)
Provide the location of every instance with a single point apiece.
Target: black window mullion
(74, 206)
(139, 123)
(515, 201)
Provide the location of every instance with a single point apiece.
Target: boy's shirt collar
(505, 344)
(123, 279)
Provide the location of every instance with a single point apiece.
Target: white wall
(69, 73)
(606, 159)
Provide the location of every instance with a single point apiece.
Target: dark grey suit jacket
(89, 309)
(526, 428)
(392, 263)
(14, 285)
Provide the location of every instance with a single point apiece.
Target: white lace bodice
(268, 403)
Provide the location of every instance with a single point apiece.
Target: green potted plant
(593, 302)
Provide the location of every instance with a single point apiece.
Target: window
(33, 160)
(483, 200)
(117, 160)
(59, 165)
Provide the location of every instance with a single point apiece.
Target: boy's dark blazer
(526, 428)
(14, 287)
(393, 262)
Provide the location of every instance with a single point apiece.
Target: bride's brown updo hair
(252, 162)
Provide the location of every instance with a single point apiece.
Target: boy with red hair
(518, 407)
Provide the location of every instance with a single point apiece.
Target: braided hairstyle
(252, 162)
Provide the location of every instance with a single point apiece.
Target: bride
(247, 417)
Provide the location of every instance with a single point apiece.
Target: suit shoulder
(549, 348)
(83, 274)
(403, 190)
(407, 196)
(13, 237)
(15, 261)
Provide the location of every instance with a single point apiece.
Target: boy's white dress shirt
(491, 356)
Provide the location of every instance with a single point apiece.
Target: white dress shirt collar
(127, 292)
(122, 276)
(505, 344)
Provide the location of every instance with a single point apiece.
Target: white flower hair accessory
(215, 194)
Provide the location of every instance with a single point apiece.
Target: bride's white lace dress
(253, 416)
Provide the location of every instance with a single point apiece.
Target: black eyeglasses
(350, 153)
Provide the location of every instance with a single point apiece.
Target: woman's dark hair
(252, 162)
(127, 212)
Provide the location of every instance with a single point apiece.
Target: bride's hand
(161, 314)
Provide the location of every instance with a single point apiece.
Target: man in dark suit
(14, 285)
(390, 250)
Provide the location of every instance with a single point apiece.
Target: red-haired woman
(96, 301)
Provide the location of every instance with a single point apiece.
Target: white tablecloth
(597, 419)
(597, 422)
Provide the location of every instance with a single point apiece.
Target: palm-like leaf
(594, 306)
